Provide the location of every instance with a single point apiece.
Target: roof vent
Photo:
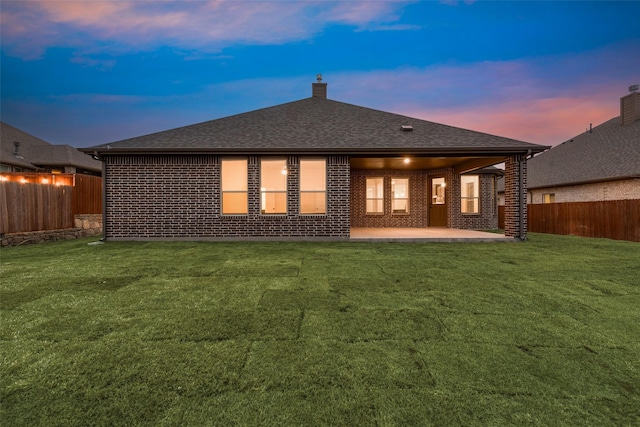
(16, 152)
(406, 128)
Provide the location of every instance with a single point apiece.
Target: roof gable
(317, 124)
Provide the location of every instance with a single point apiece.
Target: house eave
(583, 182)
(364, 151)
(42, 165)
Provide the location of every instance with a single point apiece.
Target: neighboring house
(309, 169)
(22, 152)
(600, 164)
(63, 189)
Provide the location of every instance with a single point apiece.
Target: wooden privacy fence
(29, 204)
(33, 207)
(87, 195)
(612, 219)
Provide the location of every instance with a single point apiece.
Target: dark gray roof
(489, 170)
(609, 152)
(319, 125)
(35, 153)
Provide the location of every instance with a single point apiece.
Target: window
(234, 186)
(313, 186)
(469, 191)
(549, 198)
(437, 191)
(375, 195)
(273, 186)
(400, 195)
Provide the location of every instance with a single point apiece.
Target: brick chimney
(319, 89)
(630, 107)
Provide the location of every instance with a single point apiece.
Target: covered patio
(429, 234)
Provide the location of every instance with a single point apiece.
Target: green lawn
(544, 332)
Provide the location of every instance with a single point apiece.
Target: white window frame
(266, 193)
(394, 198)
(224, 191)
(470, 204)
(377, 200)
(320, 192)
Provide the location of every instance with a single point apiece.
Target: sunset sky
(89, 72)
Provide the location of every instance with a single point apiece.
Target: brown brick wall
(626, 189)
(487, 218)
(417, 216)
(515, 221)
(178, 197)
(419, 198)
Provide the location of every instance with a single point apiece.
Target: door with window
(437, 202)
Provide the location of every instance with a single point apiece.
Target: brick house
(600, 164)
(308, 169)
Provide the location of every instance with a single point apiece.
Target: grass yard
(545, 332)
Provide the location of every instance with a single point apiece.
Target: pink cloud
(361, 13)
(30, 27)
(84, 13)
(547, 121)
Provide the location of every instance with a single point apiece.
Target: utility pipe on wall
(104, 200)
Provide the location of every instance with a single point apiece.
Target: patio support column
(515, 191)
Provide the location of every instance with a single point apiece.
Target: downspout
(522, 195)
(104, 200)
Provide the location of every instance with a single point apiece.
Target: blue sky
(90, 72)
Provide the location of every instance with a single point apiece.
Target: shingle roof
(609, 152)
(35, 153)
(317, 124)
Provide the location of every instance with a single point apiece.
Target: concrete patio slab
(431, 234)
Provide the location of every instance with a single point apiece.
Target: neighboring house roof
(489, 170)
(608, 152)
(319, 125)
(34, 153)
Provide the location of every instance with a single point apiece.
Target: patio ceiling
(460, 164)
